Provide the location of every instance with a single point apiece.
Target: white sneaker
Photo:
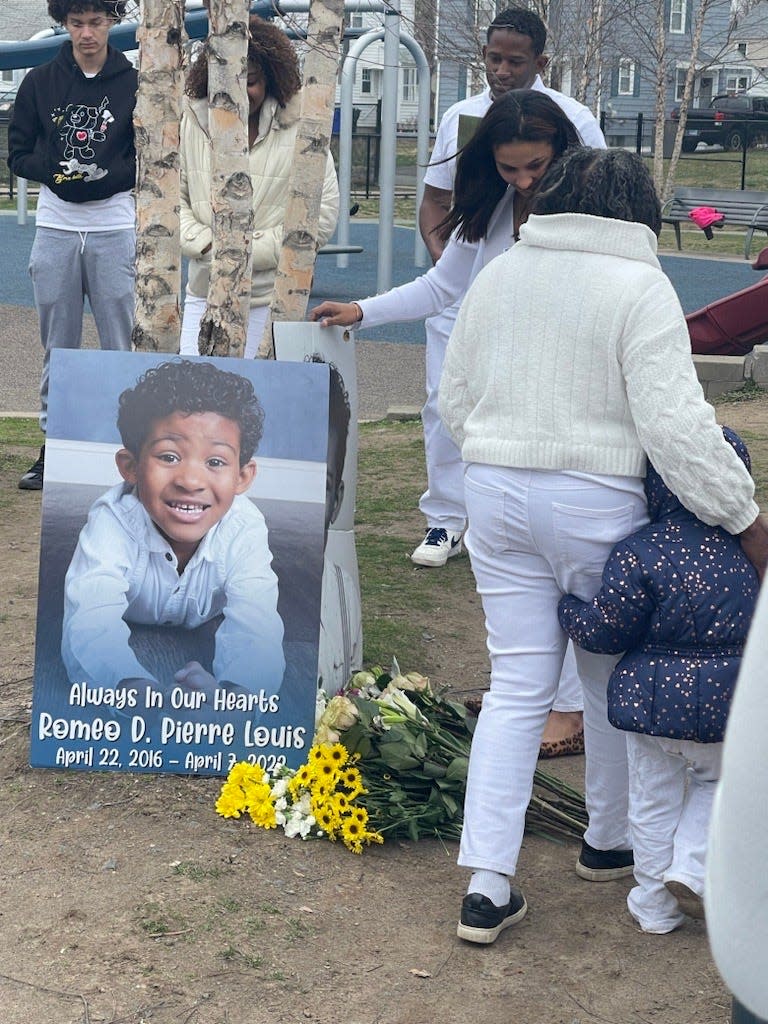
(437, 547)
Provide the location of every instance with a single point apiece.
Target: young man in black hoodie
(72, 131)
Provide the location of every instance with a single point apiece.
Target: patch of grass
(20, 431)
(399, 599)
(230, 953)
(747, 392)
(197, 872)
(154, 921)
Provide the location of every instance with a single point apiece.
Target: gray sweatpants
(65, 266)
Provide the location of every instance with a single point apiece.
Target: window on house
(366, 80)
(736, 83)
(677, 12)
(6, 76)
(626, 77)
(742, 48)
(409, 85)
(356, 19)
(680, 83)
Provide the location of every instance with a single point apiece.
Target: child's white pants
(671, 787)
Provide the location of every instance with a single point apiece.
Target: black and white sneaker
(436, 548)
(33, 478)
(603, 865)
(482, 921)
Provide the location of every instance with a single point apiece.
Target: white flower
(279, 788)
(396, 707)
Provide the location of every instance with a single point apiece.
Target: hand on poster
(337, 314)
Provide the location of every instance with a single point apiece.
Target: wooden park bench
(743, 208)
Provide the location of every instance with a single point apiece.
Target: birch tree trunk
(305, 188)
(156, 123)
(685, 102)
(224, 325)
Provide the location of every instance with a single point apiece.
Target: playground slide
(734, 325)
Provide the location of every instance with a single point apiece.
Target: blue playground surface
(697, 281)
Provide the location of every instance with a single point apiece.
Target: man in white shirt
(72, 131)
(513, 58)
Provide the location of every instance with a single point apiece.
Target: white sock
(491, 884)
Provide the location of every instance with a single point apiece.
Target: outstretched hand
(336, 314)
(754, 543)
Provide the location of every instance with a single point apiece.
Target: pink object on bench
(731, 326)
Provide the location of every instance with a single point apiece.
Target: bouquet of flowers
(391, 739)
(413, 748)
(319, 799)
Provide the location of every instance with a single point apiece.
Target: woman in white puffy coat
(274, 86)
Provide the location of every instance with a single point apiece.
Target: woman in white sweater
(496, 178)
(274, 98)
(570, 360)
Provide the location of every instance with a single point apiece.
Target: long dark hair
(603, 182)
(269, 49)
(522, 115)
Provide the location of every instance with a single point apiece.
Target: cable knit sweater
(571, 352)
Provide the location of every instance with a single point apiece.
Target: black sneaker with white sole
(482, 921)
(33, 478)
(603, 865)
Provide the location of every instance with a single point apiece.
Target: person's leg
(521, 538)
(55, 269)
(685, 875)
(256, 320)
(656, 793)
(194, 308)
(564, 731)
(587, 519)
(442, 504)
(526, 647)
(109, 260)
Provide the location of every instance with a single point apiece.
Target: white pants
(534, 536)
(194, 308)
(671, 787)
(442, 504)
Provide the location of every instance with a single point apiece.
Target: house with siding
(624, 83)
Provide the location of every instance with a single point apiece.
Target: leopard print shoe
(563, 748)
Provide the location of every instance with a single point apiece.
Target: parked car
(729, 121)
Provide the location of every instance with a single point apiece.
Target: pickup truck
(728, 121)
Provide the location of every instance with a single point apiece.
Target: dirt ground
(126, 899)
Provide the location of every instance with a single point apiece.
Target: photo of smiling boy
(178, 543)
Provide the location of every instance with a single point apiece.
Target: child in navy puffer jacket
(678, 597)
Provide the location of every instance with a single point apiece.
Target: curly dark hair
(339, 412)
(189, 387)
(269, 49)
(525, 23)
(522, 115)
(610, 183)
(60, 10)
